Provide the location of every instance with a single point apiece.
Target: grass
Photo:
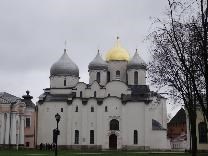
(89, 153)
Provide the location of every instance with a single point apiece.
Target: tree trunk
(193, 135)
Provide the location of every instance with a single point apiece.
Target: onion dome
(98, 63)
(136, 62)
(117, 53)
(64, 67)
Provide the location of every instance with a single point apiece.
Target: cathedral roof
(117, 53)
(64, 67)
(98, 63)
(136, 62)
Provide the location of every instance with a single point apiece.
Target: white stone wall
(159, 139)
(133, 114)
(62, 91)
(116, 88)
(47, 122)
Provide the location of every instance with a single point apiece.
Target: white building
(116, 110)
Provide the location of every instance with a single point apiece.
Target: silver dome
(64, 67)
(136, 62)
(98, 63)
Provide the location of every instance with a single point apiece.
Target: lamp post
(57, 132)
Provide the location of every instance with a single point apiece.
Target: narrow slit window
(136, 77)
(92, 137)
(117, 74)
(76, 109)
(98, 77)
(65, 82)
(108, 76)
(135, 137)
(81, 94)
(95, 94)
(106, 108)
(92, 109)
(76, 141)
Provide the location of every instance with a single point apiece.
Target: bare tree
(180, 58)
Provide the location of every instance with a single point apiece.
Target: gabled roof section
(180, 117)
(7, 98)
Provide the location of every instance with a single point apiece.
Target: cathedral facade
(116, 110)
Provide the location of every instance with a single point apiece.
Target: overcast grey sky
(32, 35)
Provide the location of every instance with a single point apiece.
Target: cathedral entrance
(112, 141)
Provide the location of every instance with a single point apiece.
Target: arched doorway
(112, 141)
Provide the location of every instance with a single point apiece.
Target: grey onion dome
(64, 67)
(137, 62)
(98, 63)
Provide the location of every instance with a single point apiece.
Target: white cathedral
(116, 110)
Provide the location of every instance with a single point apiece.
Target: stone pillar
(21, 141)
(7, 128)
(13, 129)
(2, 128)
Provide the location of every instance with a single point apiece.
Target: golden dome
(117, 53)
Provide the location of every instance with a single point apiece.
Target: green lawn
(87, 153)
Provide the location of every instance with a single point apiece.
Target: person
(41, 146)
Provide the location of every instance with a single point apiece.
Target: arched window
(108, 76)
(80, 94)
(91, 136)
(114, 124)
(106, 108)
(95, 94)
(136, 77)
(202, 132)
(98, 77)
(76, 138)
(117, 74)
(135, 137)
(92, 109)
(64, 81)
(76, 109)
